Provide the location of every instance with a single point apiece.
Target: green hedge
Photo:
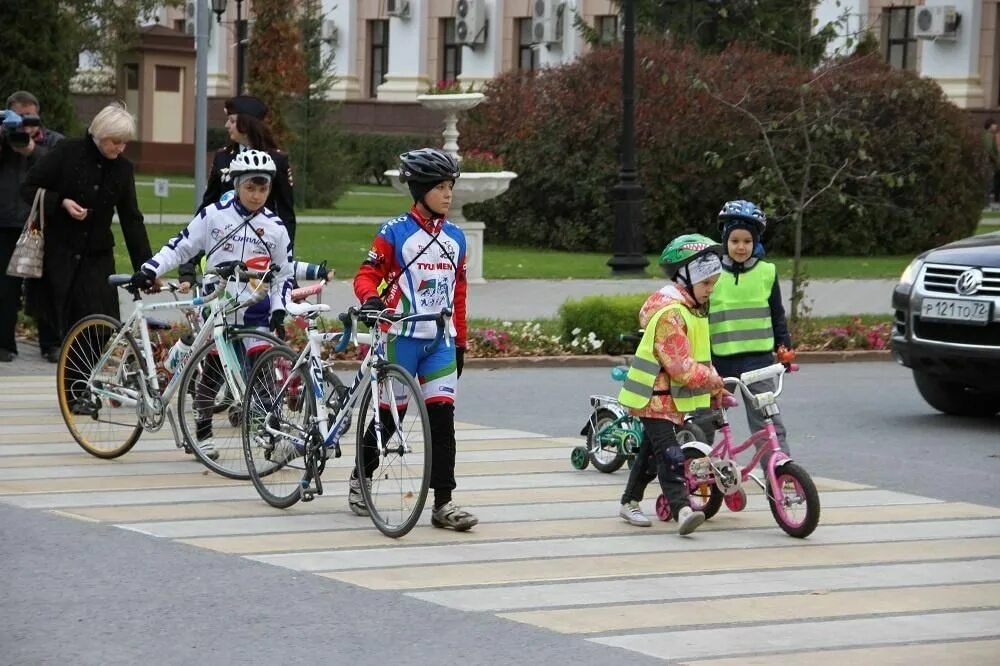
(608, 317)
(369, 156)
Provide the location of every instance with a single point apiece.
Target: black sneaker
(51, 355)
(6, 356)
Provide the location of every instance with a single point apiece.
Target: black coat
(281, 200)
(79, 253)
(13, 168)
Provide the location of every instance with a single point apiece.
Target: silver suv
(947, 325)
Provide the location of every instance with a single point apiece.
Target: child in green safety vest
(672, 375)
(747, 320)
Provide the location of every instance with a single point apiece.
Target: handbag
(26, 261)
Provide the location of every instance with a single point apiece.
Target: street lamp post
(219, 7)
(627, 195)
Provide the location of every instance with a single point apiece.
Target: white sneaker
(355, 500)
(633, 515)
(283, 452)
(688, 521)
(207, 447)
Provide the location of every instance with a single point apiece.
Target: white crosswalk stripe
(888, 577)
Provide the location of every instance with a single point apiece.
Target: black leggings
(659, 456)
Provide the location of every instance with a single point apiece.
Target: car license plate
(967, 312)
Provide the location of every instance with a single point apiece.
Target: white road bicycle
(110, 391)
(297, 410)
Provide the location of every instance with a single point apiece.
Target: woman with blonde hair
(86, 181)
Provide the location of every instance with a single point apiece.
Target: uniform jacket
(82, 250)
(422, 262)
(673, 350)
(228, 232)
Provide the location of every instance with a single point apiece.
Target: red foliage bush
(559, 130)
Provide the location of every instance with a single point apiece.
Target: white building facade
(954, 42)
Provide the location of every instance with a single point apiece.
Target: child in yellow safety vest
(671, 374)
(747, 320)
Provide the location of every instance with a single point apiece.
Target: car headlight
(910, 273)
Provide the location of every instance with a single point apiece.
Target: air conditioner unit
(190, 17)
(544, 22)
(936, 22)
(398, 8)
(470, 21)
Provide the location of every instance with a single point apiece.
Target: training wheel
(737, 501)
(579, 457)
(662, 508)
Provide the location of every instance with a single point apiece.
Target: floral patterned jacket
(673, 350)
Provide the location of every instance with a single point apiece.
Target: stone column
(344, 17)
(222, 44)
(485, 61)
(408, 47)
(954, 64)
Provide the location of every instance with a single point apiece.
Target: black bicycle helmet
(427, 165)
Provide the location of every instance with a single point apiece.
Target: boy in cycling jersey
(242, 229)
(416, 265)
(671, 375)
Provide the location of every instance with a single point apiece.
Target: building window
(525, 54)
(180, 25)
(378, 54)
(901, 45)
(607, 29)
(131, 76)
(451, 58)
(167, 79)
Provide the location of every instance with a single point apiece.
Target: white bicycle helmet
(252, 163)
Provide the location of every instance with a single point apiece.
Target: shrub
(694, 152)
(371, 155)
(607, 317)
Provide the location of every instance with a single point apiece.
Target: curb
(604, 361)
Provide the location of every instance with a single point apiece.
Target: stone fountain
(472, 187)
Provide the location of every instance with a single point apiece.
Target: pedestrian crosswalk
(888, 577)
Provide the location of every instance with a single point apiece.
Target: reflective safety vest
(739, 314)
(638, 387)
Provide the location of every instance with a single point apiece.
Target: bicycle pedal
(308, 496)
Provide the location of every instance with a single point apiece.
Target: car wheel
(955, 399)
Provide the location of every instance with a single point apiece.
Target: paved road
(150, 558)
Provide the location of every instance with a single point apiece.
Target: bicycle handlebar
(371, 318)
(777, 370)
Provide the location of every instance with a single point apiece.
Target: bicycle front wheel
(394, 450)
(209, 409)
(98, 391)
(278, 407)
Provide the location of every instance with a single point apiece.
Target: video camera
(12, 128)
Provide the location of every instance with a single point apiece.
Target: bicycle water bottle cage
(619, 372)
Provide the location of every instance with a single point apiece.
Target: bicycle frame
(765, 439)
(312, 355)
(149, 399)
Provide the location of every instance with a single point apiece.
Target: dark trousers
(10, 290)
(659, 456)
(442, 423)
(996, 186)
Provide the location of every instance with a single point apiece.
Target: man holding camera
(22, 141)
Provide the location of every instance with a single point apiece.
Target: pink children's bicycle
(714, 477)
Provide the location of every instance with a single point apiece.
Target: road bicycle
(296, 412)
(109, 386)
(790, 491)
